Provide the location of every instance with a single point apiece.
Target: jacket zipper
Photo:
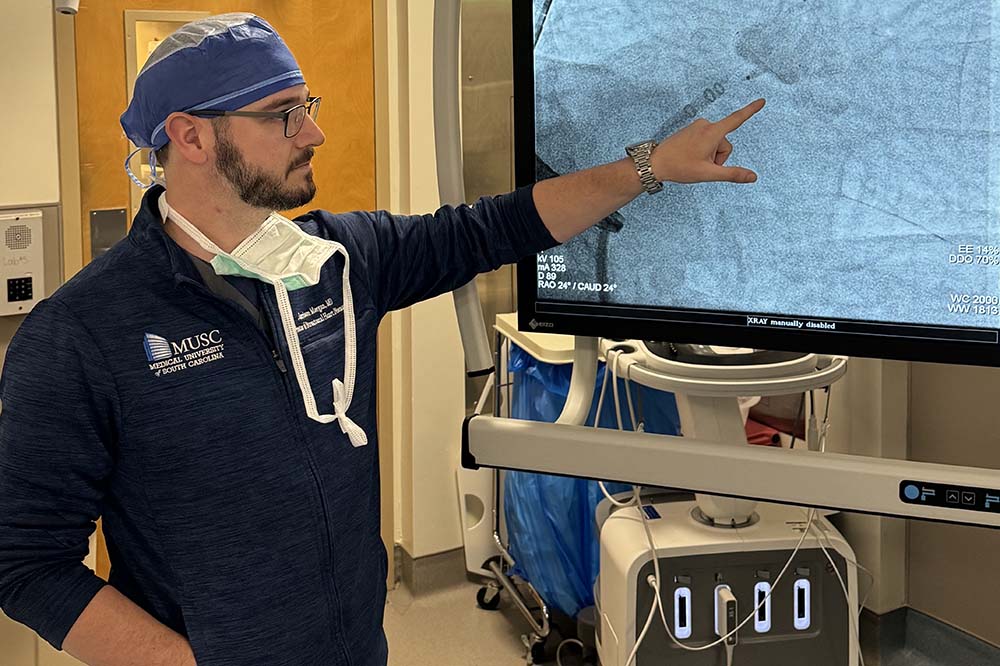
(331, 588)
(333, 597)
(277, 361)
(240, 313)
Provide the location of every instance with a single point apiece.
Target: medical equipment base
(805, 620)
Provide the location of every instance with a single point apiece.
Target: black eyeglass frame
(311, 106)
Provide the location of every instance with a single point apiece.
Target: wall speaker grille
(18, 237)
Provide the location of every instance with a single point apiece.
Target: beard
(256, 187)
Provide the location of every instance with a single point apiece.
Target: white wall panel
(29, 158)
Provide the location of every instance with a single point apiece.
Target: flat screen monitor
(873, 228)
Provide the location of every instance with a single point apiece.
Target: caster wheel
(488, 598)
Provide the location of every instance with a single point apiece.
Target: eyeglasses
(293, 117)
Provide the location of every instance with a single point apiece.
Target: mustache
(306, 156)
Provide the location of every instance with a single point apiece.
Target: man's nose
(310, 134)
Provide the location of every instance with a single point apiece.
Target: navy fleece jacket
(137, 394)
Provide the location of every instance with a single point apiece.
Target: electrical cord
(855, 618)
(855, 626)
(871, 576)
(572, 641)
(812, 431)
(600, 399)
(611, 367)
(847, 597)
(485, 394)
(628, 400)
(618, 503)
(645, 628)
(614, 387)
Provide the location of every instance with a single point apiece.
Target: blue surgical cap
(219, 62)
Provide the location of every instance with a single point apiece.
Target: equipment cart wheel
(488, 597)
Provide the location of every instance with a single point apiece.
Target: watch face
(635, 147)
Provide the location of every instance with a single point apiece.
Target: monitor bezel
(623, 327)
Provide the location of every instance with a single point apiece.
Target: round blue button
(911, 492)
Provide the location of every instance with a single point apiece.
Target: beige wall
(19, 646)
(429, 385)
(32, 69)
(29, 160)
(437, 379)
(953, 570)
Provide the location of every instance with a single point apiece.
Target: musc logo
(157, 348)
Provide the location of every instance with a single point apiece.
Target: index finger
(732, 122)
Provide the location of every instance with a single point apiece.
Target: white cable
(649, 621)
(609, 366)
(628, 397)
(855, 618)
(616, 374)
(824, 427)
(613, 366)
(847, 598)
(864, 600)
(871, 588)
(485, 394)
(619, 504)
(852, 562)
(861, 606)
(559, 649)
(600, 399)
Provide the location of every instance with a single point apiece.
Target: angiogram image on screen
(877, 155)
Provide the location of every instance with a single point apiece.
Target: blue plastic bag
(550, 519)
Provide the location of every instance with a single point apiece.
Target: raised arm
(572, 203)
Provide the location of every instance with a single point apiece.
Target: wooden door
(332, 40)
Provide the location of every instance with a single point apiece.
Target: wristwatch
(640, 154)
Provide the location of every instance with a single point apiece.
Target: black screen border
(621, 327)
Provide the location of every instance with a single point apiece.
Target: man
(207, 386)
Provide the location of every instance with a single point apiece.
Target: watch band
(640, 154)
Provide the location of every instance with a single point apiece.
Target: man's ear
(189, 137)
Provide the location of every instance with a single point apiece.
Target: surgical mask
(281, 254)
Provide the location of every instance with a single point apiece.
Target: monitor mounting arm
(720, 464)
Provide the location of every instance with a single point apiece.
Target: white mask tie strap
(353, 431)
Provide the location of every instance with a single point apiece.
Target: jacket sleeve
(421, 256)
(59, 404)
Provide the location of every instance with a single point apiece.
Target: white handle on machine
(451, 177)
